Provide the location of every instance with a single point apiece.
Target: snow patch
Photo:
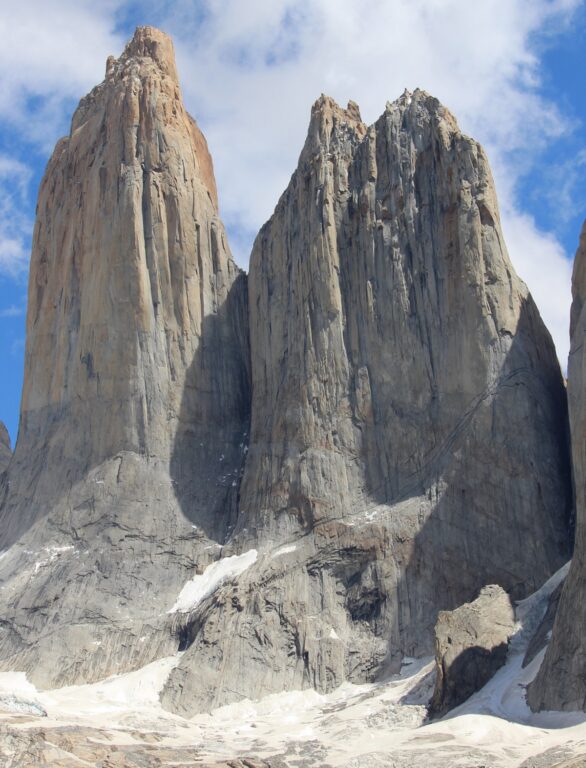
(284, 550)
(215, 575)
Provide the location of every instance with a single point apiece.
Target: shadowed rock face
(561, 681)
(136, 397)
(5, 452)
(409, 428)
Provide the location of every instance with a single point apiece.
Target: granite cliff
(561, 681)
(408, 436)
(136, 399)
(288, 475)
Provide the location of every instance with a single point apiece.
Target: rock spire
(5, 452)
(136, 396)
(409, 429)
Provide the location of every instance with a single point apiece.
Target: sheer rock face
(561, 681)
(5, 452)
(409, 426)
(136, 393)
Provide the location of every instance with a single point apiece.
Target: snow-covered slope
(367, 725)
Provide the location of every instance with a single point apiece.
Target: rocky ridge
(286, 476)
(561, 681)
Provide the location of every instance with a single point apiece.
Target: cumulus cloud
(540, 259)
(52, 52)
(251, 70)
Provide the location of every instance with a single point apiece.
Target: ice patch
(14, 704)
(216, 574)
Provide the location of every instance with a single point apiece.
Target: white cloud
(479, 59)
(251, 70)
(12, 311)
(542, 262)
(15, 225)
(52, 52)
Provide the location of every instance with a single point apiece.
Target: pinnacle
(326, 105)
(152, 43)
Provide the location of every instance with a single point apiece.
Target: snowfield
(382, 724)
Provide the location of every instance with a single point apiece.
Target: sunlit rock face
(136, 397)
(561, 681)
(409, 429)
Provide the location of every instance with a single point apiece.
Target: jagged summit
(325, 106)
(147, 43)
(328, 119)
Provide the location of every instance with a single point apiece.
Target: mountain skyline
(250, 79)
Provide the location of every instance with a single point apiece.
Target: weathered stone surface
(409, 426)
(5, 452)
(561, 681)
(471, 644)
(136, 397)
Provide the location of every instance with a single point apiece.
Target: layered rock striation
(409, 429)
(561, 681)
(136, 394)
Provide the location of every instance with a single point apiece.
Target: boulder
(471, 644)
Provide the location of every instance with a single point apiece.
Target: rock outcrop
(5, 451)
(561, 681)
(135, 406)
(409, 427)
(471, 644)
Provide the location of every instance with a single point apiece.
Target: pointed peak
(353, 110)
(420, 102)
(326, 106)
(327, 118)
(148, 43)
(4, 436)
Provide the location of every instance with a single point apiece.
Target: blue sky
(512, 71)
